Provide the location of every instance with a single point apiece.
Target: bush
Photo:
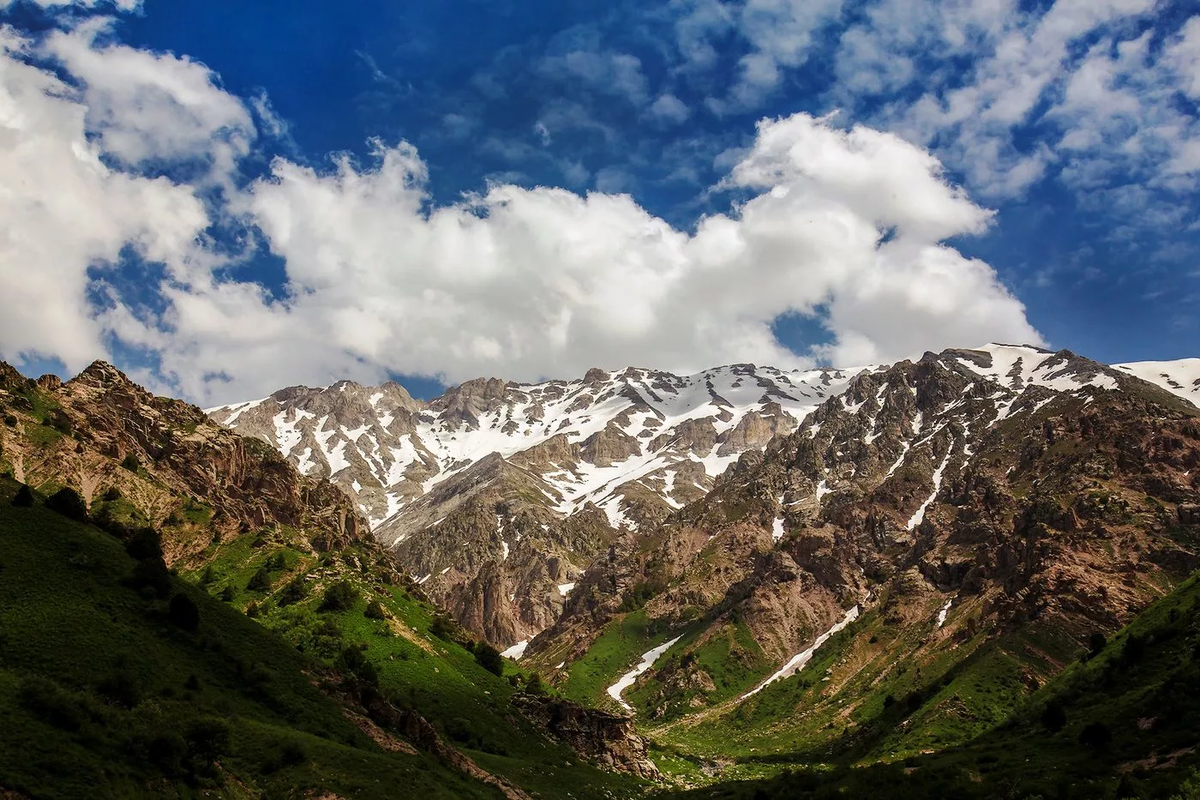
(441, 627)
(1095, 735)
(228, 593)
(1096, 643)
(375, 611)
(10, 420)
(489, 658)
(534, 685)
(151, 574)
(66, 501)
(144, 544)
(49, 703)
(293, 592)
(183, 612)
(260, 581)
(121, 688)
(131, 463)
(23, 498)
(1054, 717)
(112, 495)
(340, 597)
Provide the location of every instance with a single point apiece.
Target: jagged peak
(101, 374)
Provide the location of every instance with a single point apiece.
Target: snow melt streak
(801, 659)
(648, 659)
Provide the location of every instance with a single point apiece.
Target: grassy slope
(437, 677)
(1140, 689)
(95, 682)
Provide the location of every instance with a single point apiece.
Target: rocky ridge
(965, 499)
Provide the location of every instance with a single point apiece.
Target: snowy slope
(1181, 378)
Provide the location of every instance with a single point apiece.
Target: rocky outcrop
(608, 739)
(153, 451)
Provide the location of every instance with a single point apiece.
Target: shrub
(340, 597)
(23, 498)
(1054, 717)
(144, 544)
(534, 685)
(1095, 735)
(1096, 643)
(293, 592)
(375, 611)
(112, 495)
(121, 688)
(131, 463)
(66, 501)
(489, 658)
(441, 627)
(260, 581)
(228, 593)
(183, 612)
(10, 420)
(46, 700)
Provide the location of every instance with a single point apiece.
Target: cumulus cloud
(149, 108)
(848, 226)
(65, 211)
(668, 110)
(529, 283)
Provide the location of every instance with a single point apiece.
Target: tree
(1096, 643)
(489, 658)
(183, 612)
(23, 498)
(534, 685)
(66, 501)
(131, 463)
(260, 581)
(375, 611)
(340, 597)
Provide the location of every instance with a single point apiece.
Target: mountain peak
(101, 375)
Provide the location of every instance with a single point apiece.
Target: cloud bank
(847, 226)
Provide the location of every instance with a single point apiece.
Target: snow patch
(648, 659)
(801, 659)
(517, 650)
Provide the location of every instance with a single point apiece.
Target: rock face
(608, 739)
(473, 490)
(81, 433)
(1003, 489)
(496, 494)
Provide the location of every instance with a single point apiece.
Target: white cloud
(780, 34)
(668, 110)
(527, 283)
(65, 211)
(576, 54)
(120, 5)
(153, 108)
(518, 282)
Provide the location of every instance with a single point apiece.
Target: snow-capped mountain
(588, 438)
(475, 489)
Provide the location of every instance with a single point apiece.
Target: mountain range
(964, 575)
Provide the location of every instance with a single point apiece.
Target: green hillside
(1122, 721)
(119, 679)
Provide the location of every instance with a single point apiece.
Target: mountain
(471, 489)
(183, 613)
(497, 496)
(898, 574)
(896, 583)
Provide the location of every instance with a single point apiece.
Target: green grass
(71, 631)
(1140, 689)
(615, 651)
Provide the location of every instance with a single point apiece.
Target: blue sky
(296, 192)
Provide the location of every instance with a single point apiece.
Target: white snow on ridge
(1018, 366)
(648, 658)
(1181, 378)
(801, 659)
